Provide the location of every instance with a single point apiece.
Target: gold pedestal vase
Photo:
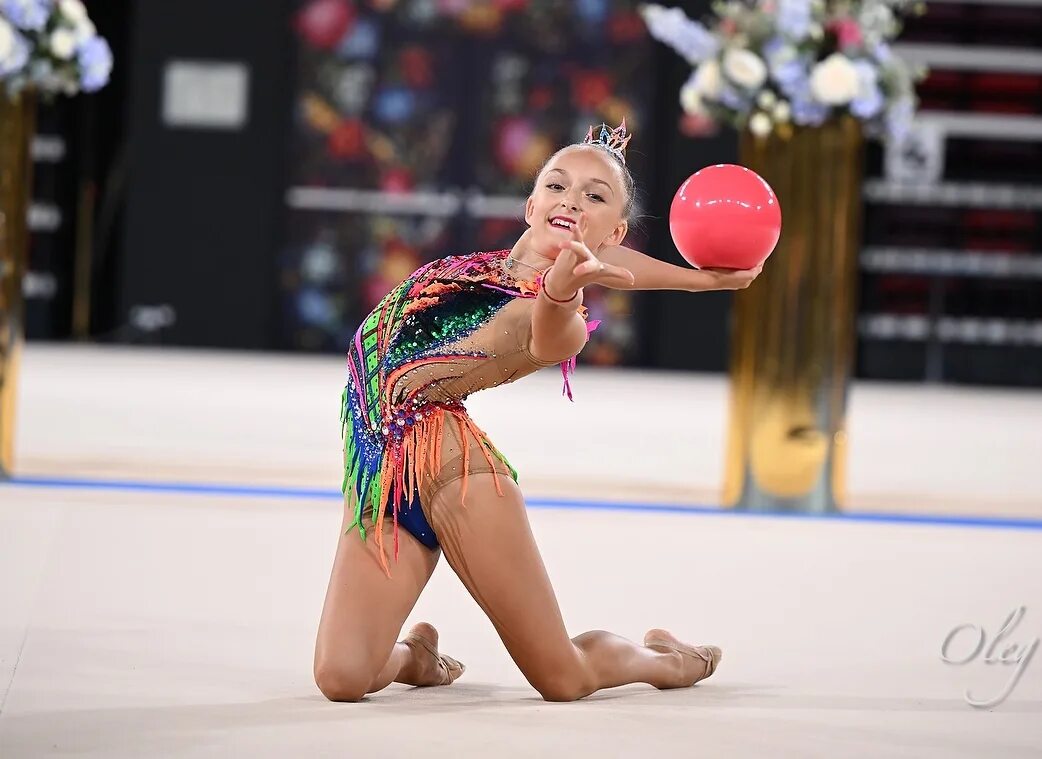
(793, 336)
(17, 123)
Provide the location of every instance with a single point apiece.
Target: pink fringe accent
(500, 289)
(568, 366)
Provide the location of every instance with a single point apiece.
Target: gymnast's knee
(565, 686)
(343, 681)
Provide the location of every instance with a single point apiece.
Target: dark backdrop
(204, 207)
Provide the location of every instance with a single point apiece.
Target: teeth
(560, 223)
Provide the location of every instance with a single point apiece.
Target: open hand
(733, 279)
(576, 266)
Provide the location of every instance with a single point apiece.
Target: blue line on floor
(551, 503)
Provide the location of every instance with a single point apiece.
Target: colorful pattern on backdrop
(337, 266)
(419, 127)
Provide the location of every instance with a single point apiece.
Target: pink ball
(725, 217)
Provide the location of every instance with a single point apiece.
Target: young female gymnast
(421, 478)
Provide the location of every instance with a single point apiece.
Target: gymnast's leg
(489, 544)
(364, 611)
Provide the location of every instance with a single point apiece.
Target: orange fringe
(406, 469)
(419, 304)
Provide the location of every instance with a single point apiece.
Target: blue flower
(792, 76)
(805, 109)
(30, 15)
(95, 59)
(362, 42)
(592, 11)
(672, 27)
(794, 18)
(394, 105)
(314, 307)
(734, 99)
(809, 112)
(773, 48)
(869, 100)
(882, 52)
(867, 106)
(787, 68)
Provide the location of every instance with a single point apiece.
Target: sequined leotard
(455, 326)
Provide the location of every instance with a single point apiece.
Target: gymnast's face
(577, 180)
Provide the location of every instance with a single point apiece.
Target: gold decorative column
(17, 124)
(793, 331)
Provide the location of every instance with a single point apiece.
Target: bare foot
(696, 662)
(428, 666)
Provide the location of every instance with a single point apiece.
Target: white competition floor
(165, 549)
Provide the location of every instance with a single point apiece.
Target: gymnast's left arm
(651, 274)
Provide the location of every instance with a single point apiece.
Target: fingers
(617, 273)
(619, 282)
(590, 266)
(579, 248)
(721, 270)
(579, 229)
(601, 273)
(584, 266)
(735, 279)
(615, 276)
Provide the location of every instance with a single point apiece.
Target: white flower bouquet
(769, 64)
(52, 47)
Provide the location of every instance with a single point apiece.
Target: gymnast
(422, 479)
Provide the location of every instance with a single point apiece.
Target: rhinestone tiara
(612, 140)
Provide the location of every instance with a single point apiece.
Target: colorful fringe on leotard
(389, 450)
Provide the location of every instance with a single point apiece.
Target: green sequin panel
(457, 316)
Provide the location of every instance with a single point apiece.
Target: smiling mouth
(561, 222)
